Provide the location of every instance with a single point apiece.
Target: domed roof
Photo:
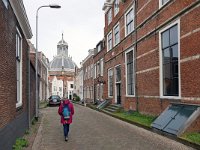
(62, 63)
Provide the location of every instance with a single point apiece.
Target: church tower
(62, 47)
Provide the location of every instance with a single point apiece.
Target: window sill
(170, 97)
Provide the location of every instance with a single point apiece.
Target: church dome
(62, 63)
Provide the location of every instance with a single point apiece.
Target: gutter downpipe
(135, 59)
(28, 93)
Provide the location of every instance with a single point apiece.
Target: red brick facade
(14, 119)
(88, 82)
(144, 40)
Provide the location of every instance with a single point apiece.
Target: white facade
(79, 84)
(57, 87)
(70, 89)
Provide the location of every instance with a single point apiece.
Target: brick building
(43, 63)
(15, 105)
(152, 53)
(88, 74)
(99, 77)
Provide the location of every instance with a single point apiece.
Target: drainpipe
(135, 59)
(28, 89)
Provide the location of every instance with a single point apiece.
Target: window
(5, 3)
(95, 71)
(19, 67)
(109, 16)
(109, 41)
(98, 68)
(116, 7)
(110, 82)
(91, 71)
(71, 86)
(99, 48)
(97, 91)
(129, 21)
(170, 61)
(88, 72)
(60, 89)
(101, 91)
(101, 64)
(163, 2)
(116, 34)
(55, 88)
(129, 73)
(118, 74)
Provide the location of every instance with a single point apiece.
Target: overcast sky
(81, 21)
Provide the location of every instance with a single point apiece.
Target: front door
(118, 92)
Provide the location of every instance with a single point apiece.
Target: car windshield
(55, 96)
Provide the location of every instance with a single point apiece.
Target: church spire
(62, 39)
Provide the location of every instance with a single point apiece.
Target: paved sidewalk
(92, 130)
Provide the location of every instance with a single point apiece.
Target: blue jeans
(66, 129)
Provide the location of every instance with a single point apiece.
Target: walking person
(66, 111)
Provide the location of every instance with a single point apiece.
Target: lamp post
(36, 57)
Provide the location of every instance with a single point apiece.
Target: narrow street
(92, 130)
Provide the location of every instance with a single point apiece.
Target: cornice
(20, 13)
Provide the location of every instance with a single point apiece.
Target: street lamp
(36, 56)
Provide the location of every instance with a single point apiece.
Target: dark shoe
(66, 138)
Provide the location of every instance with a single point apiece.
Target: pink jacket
(60, 110)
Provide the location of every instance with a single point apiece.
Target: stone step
(110, 110)
(114, 107)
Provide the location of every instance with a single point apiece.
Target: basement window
(175, 118)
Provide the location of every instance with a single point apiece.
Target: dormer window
(109, 16)
(116, 7)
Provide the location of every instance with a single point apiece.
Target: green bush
(20, 143)
(76, 97)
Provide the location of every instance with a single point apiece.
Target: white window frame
(131, 8)
(161, 5)
(130, 49)
(99, 48)
(116, 7)
(117, 25)
(95, 71)
(109, 83)
(109, 47)
(101, 91)
(98, 68)
(161, 61)
(109, 16)
(101, 65)
(19, 68)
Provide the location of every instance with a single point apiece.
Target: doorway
(118, 93)
(118, 84)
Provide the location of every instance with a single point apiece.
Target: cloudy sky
(81, 21)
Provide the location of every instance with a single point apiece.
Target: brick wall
(13, 121)
(150, 20)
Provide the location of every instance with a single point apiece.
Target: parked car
(54, 100)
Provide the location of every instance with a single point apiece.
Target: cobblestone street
(92, 130)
